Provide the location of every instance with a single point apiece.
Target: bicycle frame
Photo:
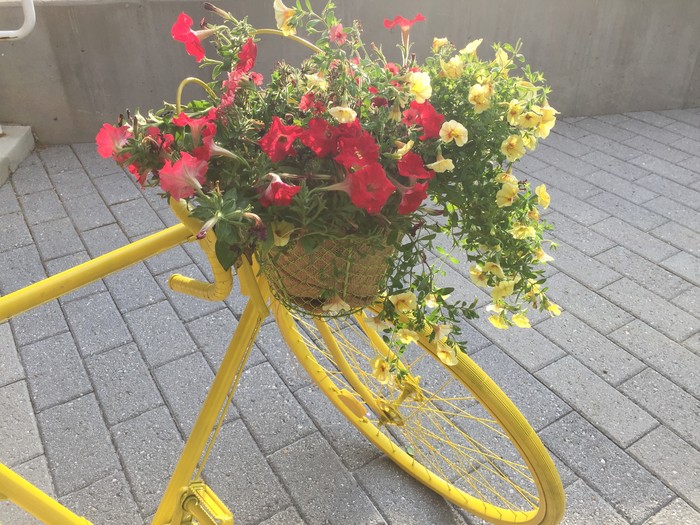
(182, 495)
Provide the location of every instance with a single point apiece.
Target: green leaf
(225, 255)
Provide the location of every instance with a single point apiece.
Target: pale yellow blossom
(521, 320)
(281, 232)
(514, 112)
(441, 165)
(506, 177)
(553, 309)
(403, 148)
(453, 130)
(529, 120)
(431, 301)
(507, 195)
(533, 214)
(522, 231)
(316, 80)
(471, 47)
(543, 198)
(404, 302)
(498, 322)
(377, 324)
(530, 141)
(406, 336)
(441, 331)
(480, 97)
(495, 269)
(513, 148)
(381, 370)
(447, 353)
(336, 306)
(542, 257)
(419, 86)
(502, 59)
(547, 121)
(342, 114)
(478, 277)
(502, 289)
(282, 17)
(438, 43)
(453, 68)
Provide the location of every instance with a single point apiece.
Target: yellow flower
(506, 176)
(438, 43)
(447, 354)
(513, 148)
(533, 214)
(521, 321)
(336, 305)
(547, 121)
(542, 257)
(478, 277)
(419, 86)
(495, 269)
(502, 59)
(498, 322)
(530, 141)
(529, 120)
(522, 231)
(553, 309)
(404, 302)
(480, 97)
(543, 198)
(402, 148)
(452, 68)
(377, 324)
(406, 336)
(441, 165)
(431, 301)
(507, 195)
(453, 130)
(381, 370)
(441, 331)
(502, 289)
(282, 17)
(343, 114)
(471, 47)
(395, 113)
(281, 231)
(316, 80)
(494, 308)
(514, 112)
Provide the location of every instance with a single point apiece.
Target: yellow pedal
(205, 506)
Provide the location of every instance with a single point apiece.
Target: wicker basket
(348, 270)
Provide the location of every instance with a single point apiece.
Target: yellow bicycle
(450, 427)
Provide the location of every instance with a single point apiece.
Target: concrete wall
(88, 60)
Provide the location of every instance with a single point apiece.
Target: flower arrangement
(405, 157)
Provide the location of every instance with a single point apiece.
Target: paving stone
(70, 185)
(635, 240)
(159, 333)
(672, 190)
(56, 239)
(297, 466)
(38, 323)
(36, 472)
(651, 117)
(623, 421)
(620, 186)
(591, 308)
(275, 349)
(59, 158)
(270, 411)
(668, 152)
(563, 161)
(652, 309)
(14, 232)
(645, 273)
(10, 367)
(667, 168)
(693, 343)
(123, 384)
(689, 300)
(594, 350)
(676, 462)
(242, 478)
(30, 176)
(611, 147)
(679, 236)
(187, 306)
(137, 218)
(690, 146)
(55, 266)
(575, 185)
(689, 116)
(678, 512)
(619, 479)
(54, 371)
(539, 405)
(583, 268)
(108, 500)
(584, 506)
(42, 206)
(67, 425)
(96, 324)
(529, 164)
(649, 131)
(96, 165)
(104, 239)
(20, 267)
(88, 211)
(117, 187)
(563, 143)
(134, 288)
(149, 446)
(685, 265)
(686, 129)
(615, 166)
(575, 208)
(352, 447)
(8, 200)
(401, 499)
(19, 437)
(184, 384)
(663, 355)
(579, 236)
(569, 129)
(288, 516)
(213, 333)
(599, 126)
(675, 408)
(167, 261)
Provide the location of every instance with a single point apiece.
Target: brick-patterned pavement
(99, 389)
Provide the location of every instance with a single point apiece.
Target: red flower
(182, 32)
(394, 69)
(183, 177)
(357, 152)
(278, 193)
(350, 129)
(402, 22)
(370, 188)
(256, 78)
(278, 142)
(411, 165)
(412, 198)
(247, 56)
(337, 36)
(379, 102)
(424, 115)
(110, 141)
(139, 172)
(199, 127)
(308, 102)
(320, 137)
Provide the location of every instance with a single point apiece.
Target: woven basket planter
(349, 269)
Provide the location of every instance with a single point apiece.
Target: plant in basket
(342, 175)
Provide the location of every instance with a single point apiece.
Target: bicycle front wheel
(450, 427)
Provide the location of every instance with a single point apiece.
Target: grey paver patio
(98, 390)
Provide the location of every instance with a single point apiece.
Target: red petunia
(183, 177)
(426, 116)
(247, 56)
(370, 188)
(278, 142)
(357, 152)
(320, 137)
(411, 165)
(412, 198)
(278, 193)
(337, 36)
(394, 69)
(308, 102)
(110, 141)
(199, 127)
(182, 32)
(402, 22)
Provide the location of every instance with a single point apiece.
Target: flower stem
(190, 80)
(293, 37)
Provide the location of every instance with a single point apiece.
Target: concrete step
(16, 143)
